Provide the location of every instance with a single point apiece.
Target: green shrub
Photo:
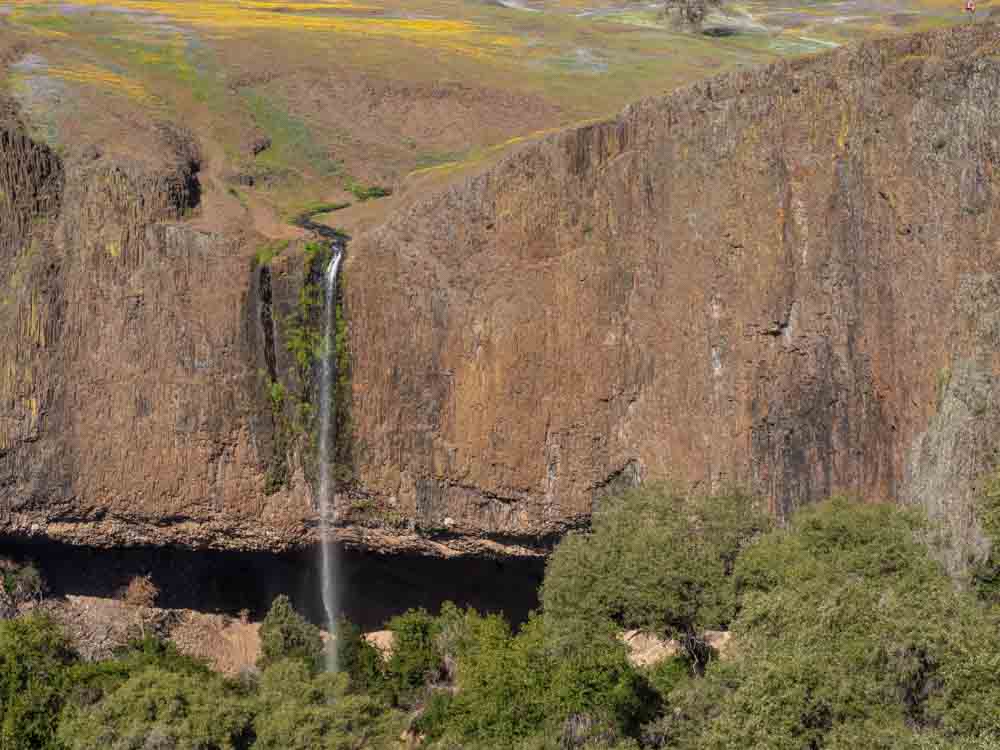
(502, 681)
(285, 634)
(597, 682)
(157, 708)
(360, 660)
(848, 630)
(22, 583)
(34, 660)
(363, 193)
(667, 675)
(986, 575)
(415, 659)
(156, 652)
(456, 630)
(514, 689)
(655, 560)
(299, 711)
(432, 721)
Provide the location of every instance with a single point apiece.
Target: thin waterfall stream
(328, 550)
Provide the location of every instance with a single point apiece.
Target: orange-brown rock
(758, 279)
(784, 277)
(129, 401)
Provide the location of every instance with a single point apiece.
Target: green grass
(317, 208)
(268, 251)
(428, 159)
(293, 143)
(366, 193)
(47, 21)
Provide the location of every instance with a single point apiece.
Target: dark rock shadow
(373, 587)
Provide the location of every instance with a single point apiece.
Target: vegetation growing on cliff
(986, 575)
(268, 251)
(342, 460)
(292, 407)
(303, 333)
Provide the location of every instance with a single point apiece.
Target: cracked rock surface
(753, 280)
(758, 279)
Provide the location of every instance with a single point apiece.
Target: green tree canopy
(34, 658)
(415, 658)
(515, 689)
(849, 636)
(656, 559)
(157, 708)
(285, 634)
(297, 710)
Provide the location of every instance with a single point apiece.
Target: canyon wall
(131, 411)
(786, 278)
(769, 279)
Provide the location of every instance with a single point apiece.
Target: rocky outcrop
(759, 279)
(129, 394)
(961, 443)
(753, 280)
(689, 14)
(648, 649)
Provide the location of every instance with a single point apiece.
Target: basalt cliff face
(786, 278)
(128, 407)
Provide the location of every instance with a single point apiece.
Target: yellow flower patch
(219, 18)
(92, 75)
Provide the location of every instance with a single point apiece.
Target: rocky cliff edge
(781, 278)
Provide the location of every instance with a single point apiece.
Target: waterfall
(328, 551)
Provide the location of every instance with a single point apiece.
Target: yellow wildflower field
(95, 76)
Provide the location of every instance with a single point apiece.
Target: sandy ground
(98, 626)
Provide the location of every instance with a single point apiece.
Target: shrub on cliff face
(656, 560)
(285, 634)
(986, 576)
(849, 636)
